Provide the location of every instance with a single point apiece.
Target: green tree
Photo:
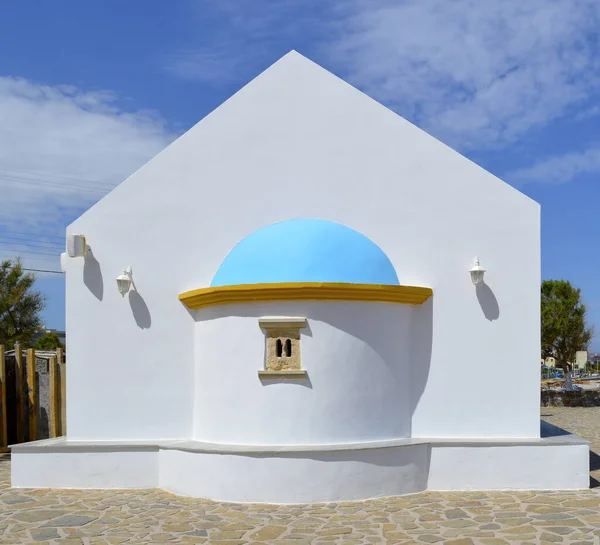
(48, 341)
(564, 328)
(20, 304)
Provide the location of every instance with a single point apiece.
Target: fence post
(61, 395)
(32, 393)
(63, 398)
(54, 398)
(19, 390)
(3, 421)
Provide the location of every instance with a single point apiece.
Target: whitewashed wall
(358, 360)
(298, 142)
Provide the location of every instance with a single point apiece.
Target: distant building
(62, 336)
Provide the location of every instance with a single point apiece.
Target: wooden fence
(31, 408)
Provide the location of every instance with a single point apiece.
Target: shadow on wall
(487, 301)
(140, 310)
(420, 351)
(305, 382)
(415, 457)
(386, 341)
(92, 275)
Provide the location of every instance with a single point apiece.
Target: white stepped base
(327, 473)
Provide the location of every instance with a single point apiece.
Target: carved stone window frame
(282, 332)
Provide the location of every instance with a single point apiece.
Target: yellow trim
(301, 291)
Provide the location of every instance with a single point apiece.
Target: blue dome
(305, 250)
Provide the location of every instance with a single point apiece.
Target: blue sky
(89, 91)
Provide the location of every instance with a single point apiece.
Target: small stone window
(282, 347)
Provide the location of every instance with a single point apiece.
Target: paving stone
(545, 509)
(561, 530)
(508, 514)
(455, 514)
(44, 534)
(38, 515)
(430, 538)
(459, 523)
(70, 520)
(268, 532)
(519, 530)
(334, 531)
(395, 536)
(565, 522)
(12, 501)
(553, 538)
(514, 521)
(227, 535)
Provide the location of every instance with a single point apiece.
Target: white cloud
(559, 169)
(61, 149)
(473, 73)
(239, 38)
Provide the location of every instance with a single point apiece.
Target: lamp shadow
(487, 301)
(283, 380)
(140, 310)
(92, 275)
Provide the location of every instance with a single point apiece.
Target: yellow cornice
(302, 291)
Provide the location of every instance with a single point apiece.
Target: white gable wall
(298, 142)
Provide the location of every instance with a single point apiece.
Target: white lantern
(477, 272)
(76, 245)
(124, 281)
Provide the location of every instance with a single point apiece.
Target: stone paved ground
(152, 516)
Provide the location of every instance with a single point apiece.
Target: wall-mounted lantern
(477, 272)
(124, 281)
(76, 245)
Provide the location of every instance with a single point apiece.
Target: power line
(10, 232)
(55, 185)
(86, 180)
(28, 252)
(33, 238)
(32, 244)
(35, 177)
(43, 271)
(103, 187)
